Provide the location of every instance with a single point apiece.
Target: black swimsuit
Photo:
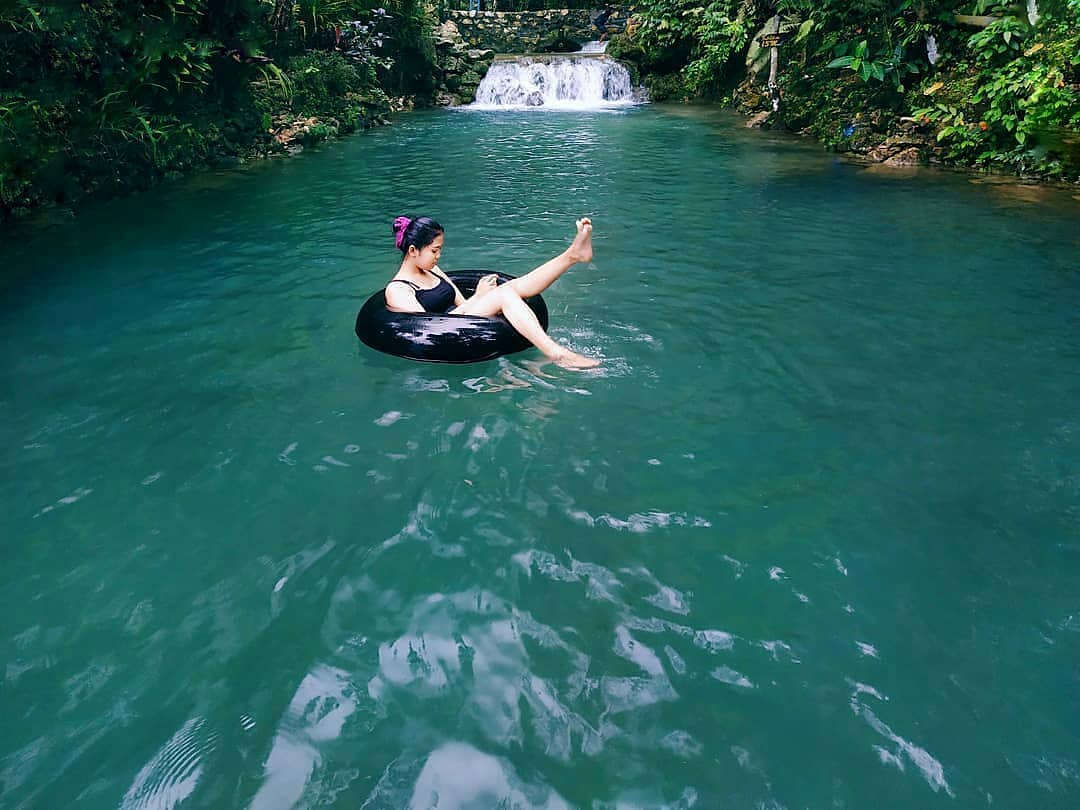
(439, 298)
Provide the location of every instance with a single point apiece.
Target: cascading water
(564, 81)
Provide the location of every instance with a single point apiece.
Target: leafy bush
(701, 39)
(1008, 94)
(667, 88)
(327, 86)
(320, 81)
(885, 67)
(1025, 98)
(114, 94)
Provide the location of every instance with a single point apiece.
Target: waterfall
(563, 81)
(1032, 11)
(594, 46)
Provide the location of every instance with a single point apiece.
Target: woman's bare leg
(536, 281)
(505, 300)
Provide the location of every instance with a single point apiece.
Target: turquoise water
(810, 537)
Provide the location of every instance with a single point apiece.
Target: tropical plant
(886, 66)
(115, 93)
(700, 38)
(1025, 93)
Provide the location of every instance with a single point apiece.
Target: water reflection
(457, 775)
(316, 715)
(905, 751)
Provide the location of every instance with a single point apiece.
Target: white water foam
(594, 46)
(555, 82)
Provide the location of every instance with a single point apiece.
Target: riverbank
(317, 97)
(916, 86)
(288, 135)
(104, 99)
(844, 118)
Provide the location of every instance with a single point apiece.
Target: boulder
(447, 34)
(905, 139)
(879, 154)
(912, 156)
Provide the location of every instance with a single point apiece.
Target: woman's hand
(486, 284)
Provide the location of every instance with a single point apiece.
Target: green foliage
(89, 89)
(667, 88)
(1007, 94)
(326, 86)
(97, 97)
(705, 37)
(722, 35)
(1000, 40)
(316, 15)
(320, 81)
(1025, 99)
(710, 38)
(118, 93)
(885, 67)
(410, 26)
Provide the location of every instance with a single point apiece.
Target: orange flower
(983, 126)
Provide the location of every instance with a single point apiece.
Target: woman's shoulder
(400, 292)
(400, 295)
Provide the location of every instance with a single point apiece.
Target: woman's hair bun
(400, 225)
(418, 231)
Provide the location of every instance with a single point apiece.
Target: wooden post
(976, 21)
(774, 67)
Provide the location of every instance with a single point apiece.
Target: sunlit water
(810, 537)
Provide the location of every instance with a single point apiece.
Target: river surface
(810, 536)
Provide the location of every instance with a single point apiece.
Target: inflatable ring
(443, 337)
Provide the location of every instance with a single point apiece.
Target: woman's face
(428, 256)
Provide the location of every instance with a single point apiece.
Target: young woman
(420, 286)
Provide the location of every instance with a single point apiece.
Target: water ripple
(173, 773)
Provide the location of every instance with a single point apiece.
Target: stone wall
(530, 31)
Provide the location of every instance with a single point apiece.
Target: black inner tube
(437, 337)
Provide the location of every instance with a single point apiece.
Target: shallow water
(808, 538)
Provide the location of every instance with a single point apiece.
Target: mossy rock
(667, 88)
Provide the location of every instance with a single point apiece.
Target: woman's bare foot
(573, 360)
(580, 249)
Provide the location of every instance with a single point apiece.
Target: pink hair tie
(400, 224)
